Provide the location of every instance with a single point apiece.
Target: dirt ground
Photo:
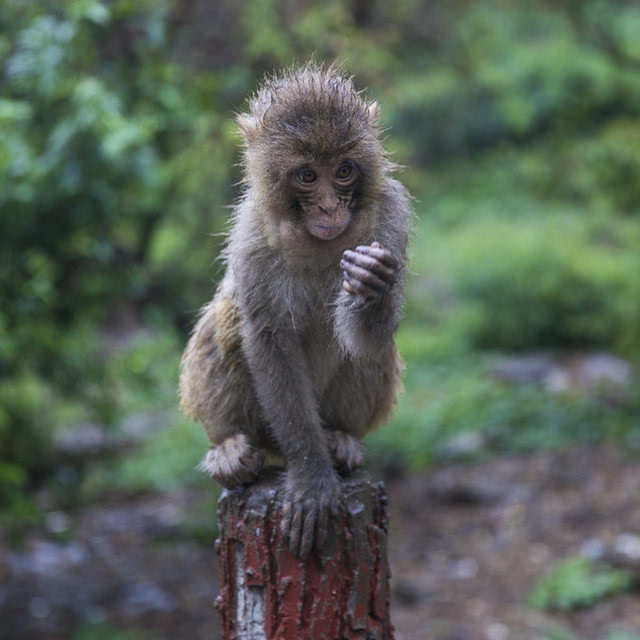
(467, 544)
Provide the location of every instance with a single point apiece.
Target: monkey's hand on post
(369, 271)
(309, 500)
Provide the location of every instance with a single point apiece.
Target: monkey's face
(325, 196)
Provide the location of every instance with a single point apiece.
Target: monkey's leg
(217, 390)
(347, 452)
(362, 396)
(311, 488)
(233, 462)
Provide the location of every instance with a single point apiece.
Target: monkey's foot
(347, 452)
(233, 462)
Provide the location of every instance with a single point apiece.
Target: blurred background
(511, 462)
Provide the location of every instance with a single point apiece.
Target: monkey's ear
(248, 126)
(374, 112)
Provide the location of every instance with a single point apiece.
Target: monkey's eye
(344, 171)
(307, 176)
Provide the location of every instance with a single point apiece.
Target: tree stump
(339, 593)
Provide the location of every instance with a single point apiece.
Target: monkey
(294, 359)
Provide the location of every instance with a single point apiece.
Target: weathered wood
(338, 593)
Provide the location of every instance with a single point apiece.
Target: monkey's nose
(328, 208)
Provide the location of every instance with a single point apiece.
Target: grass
(577, 583)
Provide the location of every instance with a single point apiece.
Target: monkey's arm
(311, 486)
(369, 305)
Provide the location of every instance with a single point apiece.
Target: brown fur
(295, 355)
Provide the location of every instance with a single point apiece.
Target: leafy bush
(476, 96)
(561, 633)
(599, 171)
(166, 462)
(577, 583)
(546, 284)
(453, 408)
(117, 148)
(100, 137)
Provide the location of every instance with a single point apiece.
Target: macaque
(294, 360)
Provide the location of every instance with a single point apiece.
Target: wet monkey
(294, 358)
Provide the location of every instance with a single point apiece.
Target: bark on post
(340, 593)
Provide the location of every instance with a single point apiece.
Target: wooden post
(339, 593)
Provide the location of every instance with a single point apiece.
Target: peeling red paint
(340, 592)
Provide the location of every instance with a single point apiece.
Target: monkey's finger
(370, 263)
(228, 468)
(285, 520)
(244, 475)
(347, 287)
(377, 251)
(357, 288)
(322, 525)
(363, 275)
(251, 464)
(308, 530)
(295, 530)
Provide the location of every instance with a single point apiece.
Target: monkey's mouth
(327, 232)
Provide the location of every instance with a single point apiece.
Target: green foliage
(108, 632)
(530, 267)
(453, 408)
(25, 409)
(601, 170)
(485, 95)
(117, 152)
(143, 371)
(166, 462)
(558, 633)
(577, 583)
(623, 635)
(369, 37)
(94, 127)
(546, 283)
(497, 270)
(117, 148)
(90, 158)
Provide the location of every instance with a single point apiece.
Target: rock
(566, 372)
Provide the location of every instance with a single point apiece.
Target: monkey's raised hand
(308, 503)
(369, 271)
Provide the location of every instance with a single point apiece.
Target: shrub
(577, 583)
(547, 285)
